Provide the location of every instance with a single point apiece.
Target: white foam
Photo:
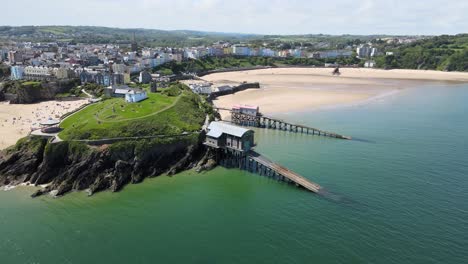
(8, 187)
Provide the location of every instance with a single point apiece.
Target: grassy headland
(161, 113)
(74, 165)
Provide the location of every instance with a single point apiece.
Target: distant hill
(174, 38)
(146, 37)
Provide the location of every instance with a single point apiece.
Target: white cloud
(250, 16)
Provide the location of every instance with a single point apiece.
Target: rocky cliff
(73, 166)
(32, 92)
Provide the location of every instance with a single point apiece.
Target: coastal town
(107, 64)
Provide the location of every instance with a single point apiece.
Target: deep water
(399, 195)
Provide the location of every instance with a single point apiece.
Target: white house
(131, 95)
(134, 96)
(39, 71)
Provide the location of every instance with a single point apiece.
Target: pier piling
(272, 123)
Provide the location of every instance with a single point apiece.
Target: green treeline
(445, 53)
(228, 62)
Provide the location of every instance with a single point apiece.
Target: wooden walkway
(285, 174)
(268, 122)
(262, 121)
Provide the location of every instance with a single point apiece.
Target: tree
(458, 61)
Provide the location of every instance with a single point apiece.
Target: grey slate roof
(216, 129)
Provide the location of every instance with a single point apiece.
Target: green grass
(57, 30)
(32, 83)
(117, 109)
(32, 144)
(159, 114)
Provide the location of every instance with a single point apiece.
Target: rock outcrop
(73, 166)
(32, 92)
(2, 91)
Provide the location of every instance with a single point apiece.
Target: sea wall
(235, 89)
(200, 74)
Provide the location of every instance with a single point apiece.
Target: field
(159, 114)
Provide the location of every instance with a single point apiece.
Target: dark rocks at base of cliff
(208, 162)
(2, 95)
(73, 166)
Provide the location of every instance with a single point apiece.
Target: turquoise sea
(401, 196)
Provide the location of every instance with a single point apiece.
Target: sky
(392, 17)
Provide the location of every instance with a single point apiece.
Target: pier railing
(255, 162)
(259, 163)
(262, 121)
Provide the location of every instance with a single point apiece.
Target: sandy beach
(301, 89)
(16, 120)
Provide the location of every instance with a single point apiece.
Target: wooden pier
(274, 123)
(256, 163)
(259, 164)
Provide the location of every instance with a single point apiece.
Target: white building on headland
(135, 95)
(131, 95)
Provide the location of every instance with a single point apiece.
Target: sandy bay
(302, 89)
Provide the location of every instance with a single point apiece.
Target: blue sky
(419, 17)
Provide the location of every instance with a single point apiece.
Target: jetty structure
(234, 148)
(246, 115)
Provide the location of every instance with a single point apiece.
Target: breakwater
(235, 89)
(201, 74)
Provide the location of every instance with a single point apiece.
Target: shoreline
(400, 74)
(308, 89)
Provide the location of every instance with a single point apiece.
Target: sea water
(400, 195)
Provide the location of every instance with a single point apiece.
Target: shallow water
(398, 194)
